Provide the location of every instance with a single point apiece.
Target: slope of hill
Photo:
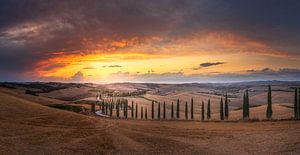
(30, 128)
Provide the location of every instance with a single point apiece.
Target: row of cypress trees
(122, 104)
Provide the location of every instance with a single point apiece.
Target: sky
(166, 41)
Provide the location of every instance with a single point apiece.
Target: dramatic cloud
(208, 64)
(78, 77)
(41, 38)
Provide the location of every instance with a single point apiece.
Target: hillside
(30, 128)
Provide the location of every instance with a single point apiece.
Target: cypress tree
(186, 109)
(164, 111)
(118, 112)
(146, 116)
(152, 110)
(102, 106)
(93, 107)
(106, 107)
(136, 111)
(172, 111)
(269, 108)
(248, 104)
(192, 108)
(111, 109)
(202, 111)
(177, 111)
(208, 109)
(296, 104)
(226, 107)
(124, 108)
(221, 109)
(142, 115)
(132, 110)
(158, 111)
(244, 107)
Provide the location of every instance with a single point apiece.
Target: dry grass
(30, 128)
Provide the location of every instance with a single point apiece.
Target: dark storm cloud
(33, 30)
(208, 64)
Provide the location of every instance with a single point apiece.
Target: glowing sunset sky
(149, 41)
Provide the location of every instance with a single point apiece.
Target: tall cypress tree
(126, 108)
(142, 115)
(269, 108)
(132, 110)
(152, 110)
(177, 111)
(296, 104)
(208, 109)
(172, 111)
(186, 109)
(136, 111)
(226, 107)
(248, 104)
(192, 108)
(244, 107)
(118, 112)
(164, 111)
(93, 109)
(202, 111)
(146, 115)
(158, 111)
(111, 110)
(221, 109)
(102, 106)
(106, 107)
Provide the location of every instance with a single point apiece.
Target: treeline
(158, 110)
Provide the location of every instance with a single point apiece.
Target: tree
(111, 110)
(118, 110)
(298, 102)
(186, 109)
(248, 104)
(126, 108)
(106, 107)
(172, 111)
(269, 108)
(192, 108)
(132, 110)
(164, 111)
(142, 115)
(226, 107)
(208, 109)
(136, 111)
(158, 111)
(152, 110)
(146, 116)
(202, 111)
(102, 106)
(93, 109)
(177, 111)
(244, 106)
(221, 109)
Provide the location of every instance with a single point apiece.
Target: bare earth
(27, 127)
